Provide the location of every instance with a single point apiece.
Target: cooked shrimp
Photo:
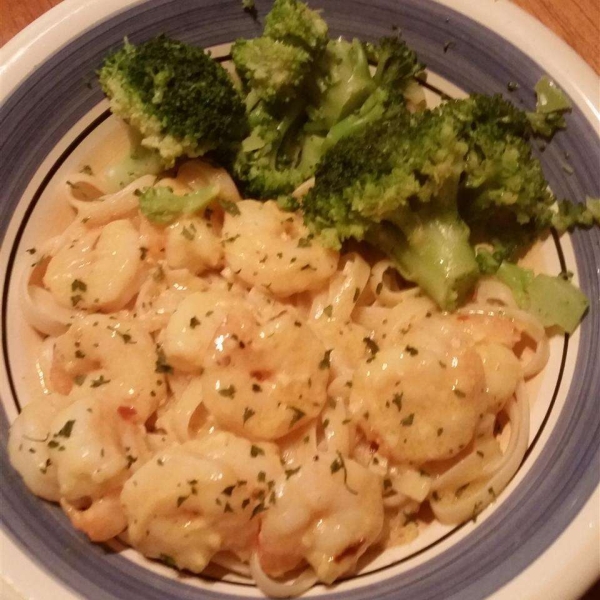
(328, 512)
(94, 448)
(193, 500)
(485, 328)
(495, 336)
(80, 451)
(262, 380)
(98, 271)
(164, 290)
(114, 360)
(192, 327)
(193, 244)
(152, 240)
(503, 372)
(421, 401)
(271, 248)
(28, 445)
(510, 327)
(102, 520)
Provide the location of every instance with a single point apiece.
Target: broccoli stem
(285, 129)
(435, 254)
(354, 123)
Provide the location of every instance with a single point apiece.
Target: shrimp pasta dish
(221, 383)
(226, 386)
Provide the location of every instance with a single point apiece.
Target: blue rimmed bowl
(540, 540)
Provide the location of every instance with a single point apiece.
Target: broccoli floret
(397, 64)
(503, 192)
(395, 185)
(427, 188)
(278, 155)
(593, 206)
(347, 88)
(182, 101)
(569, 216)
(554, 300)
(267, 162)
(504, 195)
(292, 22)
(302, 99)
(271, 70)
(380, 97)
(344, 83)
(304, 93)
(550, 107)
(161, 205)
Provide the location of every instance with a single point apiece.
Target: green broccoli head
(552, 103)
(501, 169)
(264, 182)
(339, 97)
(267, 162)
(426, 188)
(288, 137)
(272, 70)
(343, 83)
(278, 154)
(394, 184)
(291, 21)
(351, 99)
(397, 64)
(571, 215)
(428, 158)
(386, 172)
(504, 196)
(160, 205)
(304, 93)
(347, 88)
(183, 102)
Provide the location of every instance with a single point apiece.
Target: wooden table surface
(576, 21)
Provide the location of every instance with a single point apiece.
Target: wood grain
(17, 14)
(576, 21)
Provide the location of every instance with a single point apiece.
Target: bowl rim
(65, 22)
